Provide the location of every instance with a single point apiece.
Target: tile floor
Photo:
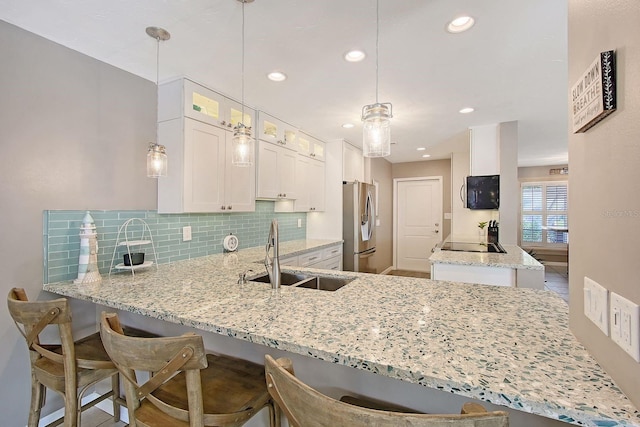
(556, 279)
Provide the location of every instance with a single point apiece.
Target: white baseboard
(388, 270)
(105, 406)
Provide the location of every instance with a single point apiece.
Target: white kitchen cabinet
(186, 98)
(310, 185)
(275, 131)
(484, 150)
(328, 258)
(276, 171)
(201, 177)
(352, 163)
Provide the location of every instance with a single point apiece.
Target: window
(544, 220)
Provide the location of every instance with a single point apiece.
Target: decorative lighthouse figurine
(88, 263)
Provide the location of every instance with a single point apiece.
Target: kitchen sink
(322, 283)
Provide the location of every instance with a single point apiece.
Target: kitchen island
(514, 268)
(507, 346)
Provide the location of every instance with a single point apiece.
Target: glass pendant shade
(376, 135)
(242, 146)
(156, 161)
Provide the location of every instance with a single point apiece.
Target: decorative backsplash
(62, 241)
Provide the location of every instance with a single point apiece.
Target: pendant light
(376, 132)
(157, 156)
(242, 143)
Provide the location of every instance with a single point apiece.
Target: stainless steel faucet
(273, 264)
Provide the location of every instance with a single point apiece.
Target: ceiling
(512, 65)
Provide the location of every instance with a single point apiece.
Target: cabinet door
(304, 175)
(316, 185)
(204, 105)
(204, 167)
(353, 166)
(267, 182)
(484, 151)
(317, 149)
(287, 173)
(240, 183)
(233, 115)
(304, 145)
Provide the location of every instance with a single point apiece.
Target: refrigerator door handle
(366, 253)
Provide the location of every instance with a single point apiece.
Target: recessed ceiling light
(467, 110)
(354, 56)
(277, 76)
(460, 24)
(348, 125)
(426, 155)
(421, 148)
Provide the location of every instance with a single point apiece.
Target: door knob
(437, 231)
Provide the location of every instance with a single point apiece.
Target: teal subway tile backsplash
(62, 241)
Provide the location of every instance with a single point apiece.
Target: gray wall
(73, 134)
(604, 179)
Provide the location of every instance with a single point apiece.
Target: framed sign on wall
(593, 96)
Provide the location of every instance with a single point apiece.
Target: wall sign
(593, 96)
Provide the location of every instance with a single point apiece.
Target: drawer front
(310, 258)
(332, 252)
(289, 260)
(334, 263)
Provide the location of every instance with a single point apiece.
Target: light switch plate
(596, 304)
(186, 233)
(625, 325)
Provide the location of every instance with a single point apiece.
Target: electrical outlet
(186, 233)
(596, 304)
(299, 222)
(625, 325)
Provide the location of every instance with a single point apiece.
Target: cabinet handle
(313, 154)
(284, 195)
(223, 207)
(229, 207)
(312, 258)
(229, 125)
(223, 123)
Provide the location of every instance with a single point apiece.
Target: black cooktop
(473, 247)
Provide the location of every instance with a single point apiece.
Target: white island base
(516, 268)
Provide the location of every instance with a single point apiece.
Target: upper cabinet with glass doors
(275, 131)
(310, 146)
(184, 97)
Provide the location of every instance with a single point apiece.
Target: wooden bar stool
(68, 368)
(189, 387)
(306, 407)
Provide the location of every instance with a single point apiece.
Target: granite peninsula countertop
(507, 346)
(515, 258)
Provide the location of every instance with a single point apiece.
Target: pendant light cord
(242, 73)
(377, 37)
(157, 88)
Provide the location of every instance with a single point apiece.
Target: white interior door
(418, 225)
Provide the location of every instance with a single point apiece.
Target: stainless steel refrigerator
(358, 226)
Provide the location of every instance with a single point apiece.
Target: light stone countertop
(515, 258)
(507, 346)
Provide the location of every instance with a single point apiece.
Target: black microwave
(483, 192)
